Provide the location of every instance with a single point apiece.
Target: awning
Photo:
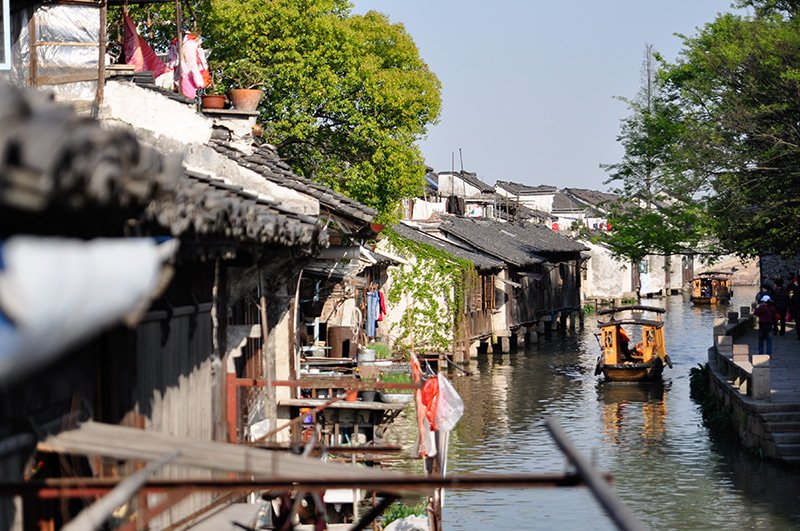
(95, 438)
(499, 282)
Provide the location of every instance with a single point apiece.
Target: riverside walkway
(761, 393)
(784, 363)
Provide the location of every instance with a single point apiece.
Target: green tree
(723, 139)
(346, 96)
(657, 211)
(738, 86)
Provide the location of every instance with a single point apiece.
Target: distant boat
(622, 360)
(712, 287)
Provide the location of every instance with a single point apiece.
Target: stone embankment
(761, 392)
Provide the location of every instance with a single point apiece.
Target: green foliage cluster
(436, 282)
(397, 377)
(155, 23)
(382, 351)
(712, 147)
(398, 510)
(346, 96)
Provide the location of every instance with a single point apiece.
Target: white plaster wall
(452, 185)
(502, 314)
(542, 202)
(147, 109)
(654, 282)
(173, 127)
(606, 277)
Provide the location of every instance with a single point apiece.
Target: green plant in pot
(213, 96)
(243, 79)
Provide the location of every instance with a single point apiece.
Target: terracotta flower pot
(245, 99)
(213, 101)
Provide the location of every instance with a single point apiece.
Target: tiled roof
(524, 189)
(266, 162)
(52, 160)
(518, 243)
(206, 205)
(510, 209)
(566, 203)
(482, 261)
(470, 178)
(490, 237)
(590, 197)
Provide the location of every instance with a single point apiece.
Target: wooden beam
(96, 514)
(79, 487)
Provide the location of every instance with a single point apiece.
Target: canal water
(666, 466)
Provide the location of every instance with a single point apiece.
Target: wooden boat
(622, 360)
(712, 287)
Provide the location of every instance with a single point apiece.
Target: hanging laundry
(382, 301)
(138, 53)
(373, 312)
(194, 72)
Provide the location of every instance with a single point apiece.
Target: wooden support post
(505, 344)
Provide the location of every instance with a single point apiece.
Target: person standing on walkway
(781, 302)
(766, 289)
(793, 292)
(767, 317)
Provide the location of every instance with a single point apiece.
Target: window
(487, 292)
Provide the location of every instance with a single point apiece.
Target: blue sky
(528, 86)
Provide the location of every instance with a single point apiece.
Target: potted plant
(213, 96)
(396, 396)
(243, 78)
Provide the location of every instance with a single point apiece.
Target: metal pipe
(78, 487)
(622, 516)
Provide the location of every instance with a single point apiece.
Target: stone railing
(749, 374)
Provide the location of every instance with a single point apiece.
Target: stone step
(784, 426)
(793, 461)
(781, 416)
(786, 438)
(788, 450)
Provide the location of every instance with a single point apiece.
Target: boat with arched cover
(712, 287)
(623, 360)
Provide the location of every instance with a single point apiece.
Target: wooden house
(199, 364)
(480, 302)
(538, 198)
(542, 281)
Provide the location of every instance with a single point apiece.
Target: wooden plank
(61, 79)
(369, 406)
(94, 438)
(343, 382)
(96, 514)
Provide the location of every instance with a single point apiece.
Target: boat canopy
(631, 321)
(714, 274)
(631, 307)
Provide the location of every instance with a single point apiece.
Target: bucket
(366, 355)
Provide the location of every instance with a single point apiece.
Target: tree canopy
(727, 158)
(346, 96)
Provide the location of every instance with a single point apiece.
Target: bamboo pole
(617, 511)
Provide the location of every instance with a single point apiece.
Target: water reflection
(651, 438)
(632, 406)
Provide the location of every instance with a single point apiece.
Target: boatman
(624, 342)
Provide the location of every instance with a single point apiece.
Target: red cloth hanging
(138, 53)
